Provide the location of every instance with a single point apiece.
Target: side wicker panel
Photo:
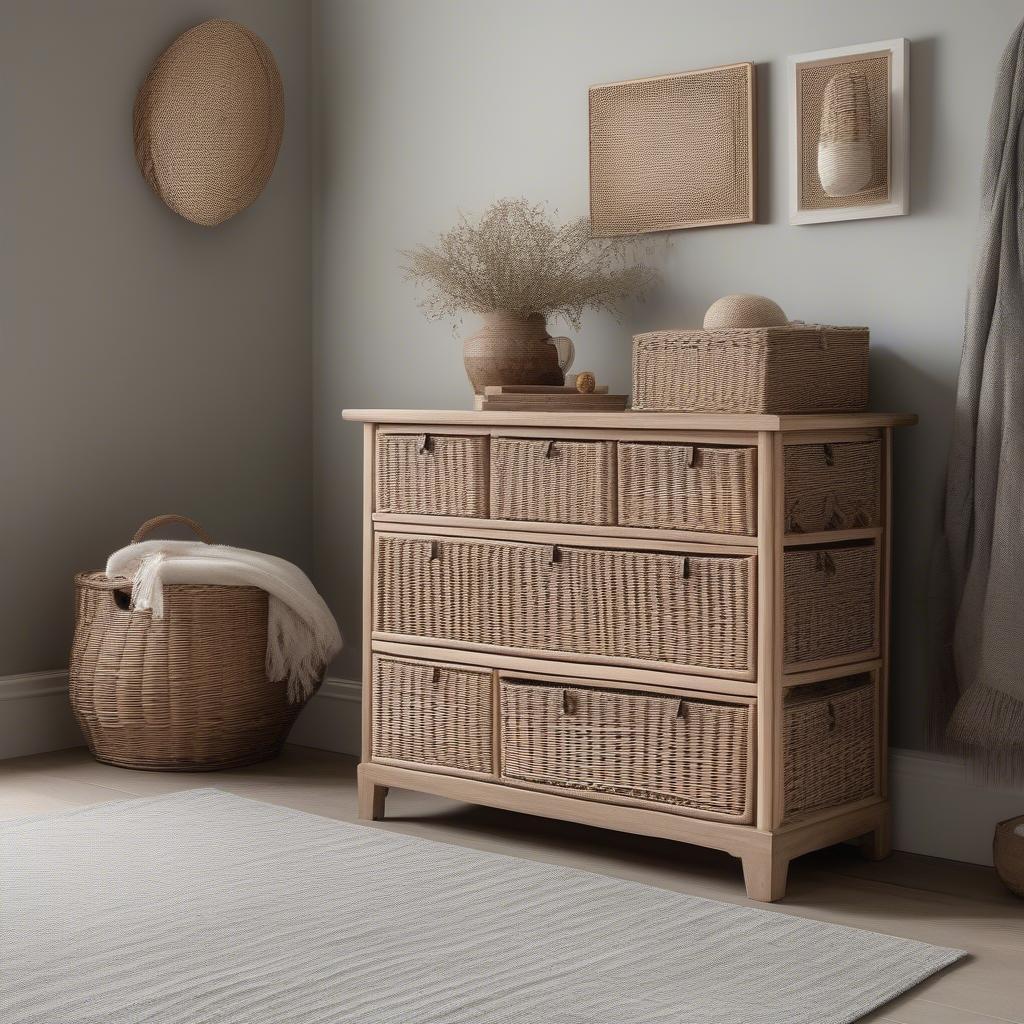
(431, 474)
(830, 603)
(553, 481)
(432, 715)
(690, 756)
(685, 610)
(832, 486)
(688, 487)
(830, 744)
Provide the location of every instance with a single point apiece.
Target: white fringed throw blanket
(302, 635)
(982, 563)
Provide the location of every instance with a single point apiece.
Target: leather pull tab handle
(686, 567)
(689, 456)
(435, 551)
(549, 449)
(435, 676)
(830, 454)
(832, 723)
(681, 710)
(570, 702)
(554, 554)
(424, 444)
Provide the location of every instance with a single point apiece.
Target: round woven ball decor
(208, 121)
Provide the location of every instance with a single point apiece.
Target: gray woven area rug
(203, 907)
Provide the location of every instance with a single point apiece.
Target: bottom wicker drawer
(830, 743)
(685, 755)
(433, 715)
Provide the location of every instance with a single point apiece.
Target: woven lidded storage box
(432, 714)
(792, 369)
(689, 755)
(188, 692)
(830, 744)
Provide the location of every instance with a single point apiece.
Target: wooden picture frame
(883, 68)
(673, 151)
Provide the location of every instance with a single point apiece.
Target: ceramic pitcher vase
(512, 349)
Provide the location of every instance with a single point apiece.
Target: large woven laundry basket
(187, 692)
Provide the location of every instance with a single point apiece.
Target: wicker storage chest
(666, 623)
(793, 369)
(433, 714)
(681, 753)
(704, 488)
(621, 605)
(830, 744)
(553, 481)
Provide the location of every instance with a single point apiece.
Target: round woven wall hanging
(208, 121)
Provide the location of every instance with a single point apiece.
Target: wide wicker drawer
(830, 604)
(832, 486)
(617, 606)
(433, 715)
(553, 481)
(690, 756)
(431, 474)
(830, 744)
(704, 488)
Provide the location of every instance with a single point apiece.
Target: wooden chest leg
(371, 799)
(764, 875)
(877, 844)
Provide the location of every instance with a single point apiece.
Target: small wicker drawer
(830, 604)
(431, 474)
(702, 488)
(797, 368)
(553, 481)
(832, 486)
(612, 605)
(690, 756)
(433, 715)
(830, 744)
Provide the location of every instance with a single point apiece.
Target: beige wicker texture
(692, 611)
(208, 122)
(688, 487)
(431, 474)
(690, 755)
(1008, 854)
(553, 480)
(743, 311)
(794, 369)
(830, 744)
(188, 692)
(832, 486)
(672, 152)
(438, 715)
(830, 603)
(811, 82)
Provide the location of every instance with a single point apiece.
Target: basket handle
(151, 524)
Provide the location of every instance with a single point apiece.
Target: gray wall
(422, 108)
(146, 364)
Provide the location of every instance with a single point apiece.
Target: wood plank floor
(935, 901)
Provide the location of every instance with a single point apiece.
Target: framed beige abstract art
(676, 151)
(849, 118)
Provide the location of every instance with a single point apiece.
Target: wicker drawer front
(616, 605)
(687, 755)
(831, 603)
(688, 487)
(432, 715)
(431, 474)
(553, 481)
(832, 486)
(830, 744)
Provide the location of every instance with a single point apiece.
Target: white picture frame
(898, 201)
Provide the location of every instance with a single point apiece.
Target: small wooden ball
(585, 382)
(733, 311)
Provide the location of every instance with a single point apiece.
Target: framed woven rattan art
(849, 123)
(676, 151)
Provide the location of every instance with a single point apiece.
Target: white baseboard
(939, 809)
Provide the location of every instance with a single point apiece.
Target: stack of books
(545, 398)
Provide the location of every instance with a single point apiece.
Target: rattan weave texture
(553, 480)
(685, 487)
(685, 610)
(830, 603)
(830, 744)
(680, 753)
(433, 715)
(832, 486)
(794, 369)
(431, 474)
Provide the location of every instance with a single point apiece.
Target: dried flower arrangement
(516, 258)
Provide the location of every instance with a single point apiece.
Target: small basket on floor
(187, 692)
(1008, 854)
